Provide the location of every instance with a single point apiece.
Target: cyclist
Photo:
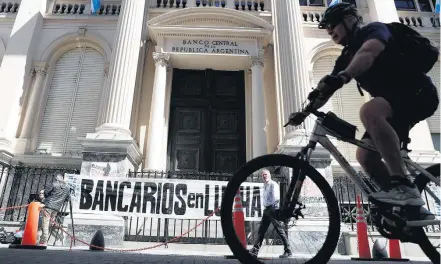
(401, 98)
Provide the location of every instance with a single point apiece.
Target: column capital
(161, 58)
(106, 69)
(259, 59)
(39, 70)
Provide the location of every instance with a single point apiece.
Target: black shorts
(410, 109)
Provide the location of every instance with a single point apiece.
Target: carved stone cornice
(161, 59)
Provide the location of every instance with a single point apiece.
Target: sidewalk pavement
(174, 254)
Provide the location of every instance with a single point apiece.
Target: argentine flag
(336, 2)
(437, 7)
(95, 5)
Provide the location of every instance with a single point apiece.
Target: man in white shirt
(271, 201)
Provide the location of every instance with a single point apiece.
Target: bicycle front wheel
(331, 222)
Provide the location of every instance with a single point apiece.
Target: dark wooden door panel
(207, 129)
(187, 141)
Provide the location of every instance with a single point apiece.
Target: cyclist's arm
(365, 57)
(374, 37)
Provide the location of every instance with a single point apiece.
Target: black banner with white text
(159, 198)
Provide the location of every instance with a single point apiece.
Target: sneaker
(287, 254)
(42, 244)
(400, 193)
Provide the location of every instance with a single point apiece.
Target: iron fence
(18, 184)
(147, 229)
(346, 192)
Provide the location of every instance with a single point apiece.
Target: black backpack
(415, 48)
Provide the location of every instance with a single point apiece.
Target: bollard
(29, 240)
(98, 241)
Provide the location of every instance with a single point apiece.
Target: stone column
(34, 100)
(40, 75)
(156, 132)
(112, 151)
(290, 67)
(258, 107)
(16, 65)
(123, 70)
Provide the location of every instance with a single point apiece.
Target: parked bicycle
(401, 223)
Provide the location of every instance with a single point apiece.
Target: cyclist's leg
(376, 115)
(372, 164)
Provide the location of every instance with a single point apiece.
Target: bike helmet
(336, 13)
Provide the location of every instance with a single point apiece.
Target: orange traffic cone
(29, 240)
(239, 219)
(394, 251)
(364, 252)
(238, 222)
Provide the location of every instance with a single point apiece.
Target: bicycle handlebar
(309, 109)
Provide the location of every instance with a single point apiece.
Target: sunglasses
(331, 25)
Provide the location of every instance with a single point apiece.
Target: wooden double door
(207, 121)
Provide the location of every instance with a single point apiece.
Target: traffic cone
(362, 237)
(239, 219)
(395, 251)
(29, 240)
(238, 222)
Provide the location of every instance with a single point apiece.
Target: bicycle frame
(319, 135)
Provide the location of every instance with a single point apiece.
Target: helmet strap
(350, 33)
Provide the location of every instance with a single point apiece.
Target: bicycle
(391, 222)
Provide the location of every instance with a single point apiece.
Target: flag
(336, 2)
(437, 7)
(95, 5)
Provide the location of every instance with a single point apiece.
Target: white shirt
(271, 194)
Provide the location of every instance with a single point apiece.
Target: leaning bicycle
(403, 223)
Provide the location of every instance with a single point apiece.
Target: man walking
(55, 197)
(271, 201)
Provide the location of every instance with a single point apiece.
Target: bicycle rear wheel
(419, 232)
(276, 160)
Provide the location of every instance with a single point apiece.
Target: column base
(297, 141)
(111, 131)
(6, 152)
(109, 157)
(86, 225)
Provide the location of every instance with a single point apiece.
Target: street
(85, 256)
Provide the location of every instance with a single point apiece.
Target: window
(425, 5)
(436, 140)
(322, 2)
(72, 102)
(316, 3)
(415, 5)
(405, 5)
(346, 1)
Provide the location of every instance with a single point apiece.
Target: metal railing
(19, 183)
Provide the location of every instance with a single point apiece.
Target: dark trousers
(267, 219)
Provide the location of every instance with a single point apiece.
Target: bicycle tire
(241, 253)
(423, 241)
